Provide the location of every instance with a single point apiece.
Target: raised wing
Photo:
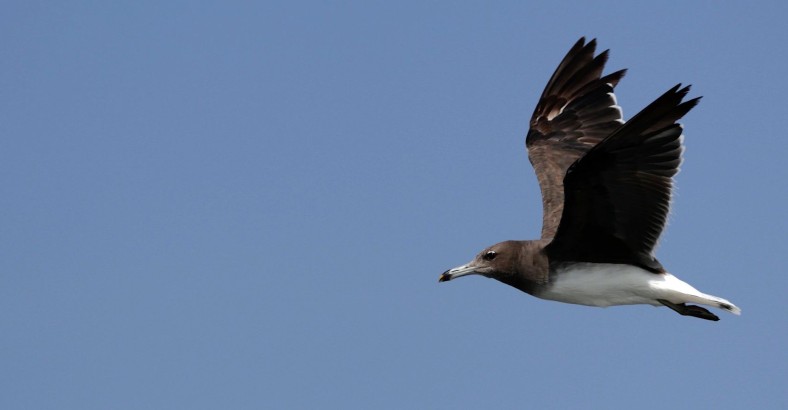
(617, 196)
(576, 111)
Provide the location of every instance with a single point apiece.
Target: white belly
(604, 284)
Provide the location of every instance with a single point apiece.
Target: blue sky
(248, 204)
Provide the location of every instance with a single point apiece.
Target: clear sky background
(247, 205)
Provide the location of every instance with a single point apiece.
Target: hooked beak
(455, 273)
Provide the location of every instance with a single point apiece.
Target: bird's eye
(490, 255)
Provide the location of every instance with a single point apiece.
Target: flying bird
(606, 191)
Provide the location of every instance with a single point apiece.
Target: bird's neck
(532, 268)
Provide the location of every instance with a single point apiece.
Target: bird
(606, 190)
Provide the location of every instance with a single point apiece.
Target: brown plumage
(576, 111)
(617, 195)
(606, 190)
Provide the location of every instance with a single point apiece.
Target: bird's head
(497, 262)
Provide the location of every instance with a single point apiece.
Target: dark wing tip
(578, 73)
(666, 110)
(614, 77)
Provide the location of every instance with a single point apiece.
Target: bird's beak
(455, 273)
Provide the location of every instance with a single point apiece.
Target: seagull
(606, 192)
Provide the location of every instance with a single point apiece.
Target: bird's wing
(617, 196)
(576, 111)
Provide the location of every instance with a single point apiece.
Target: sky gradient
(247, 205)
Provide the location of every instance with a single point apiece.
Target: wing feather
(617, 196)
(576, 111)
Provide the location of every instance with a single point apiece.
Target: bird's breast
(601, 284)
